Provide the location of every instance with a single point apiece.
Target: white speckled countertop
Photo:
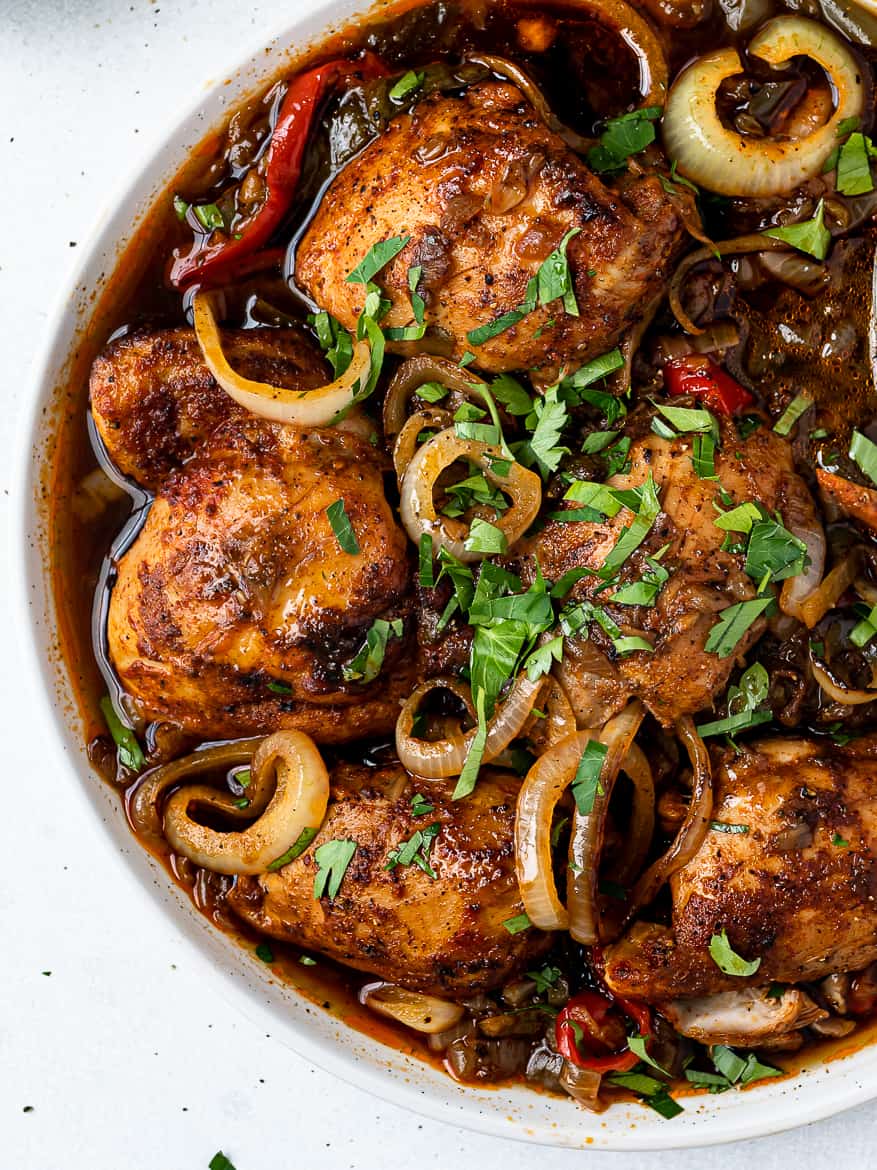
(112, 1057)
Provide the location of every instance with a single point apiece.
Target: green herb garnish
(342, 528)
(811, 236)
(128, 750)
(296, 850)
(332, 858)
(366, 665)
(728, 961)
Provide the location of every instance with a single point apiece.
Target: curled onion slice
(303, 408)
(416, 372)
(423, 1013)
(641, 828)
(589, 830)
(691, 832)
(299, 802)
(739, 245)
(731, 163)
(827, 593)
(837, 690)
(143, 802)
(417, 505)
(406, 441)
(437, 759)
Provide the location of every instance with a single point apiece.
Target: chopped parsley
(853, 165)
(420, 806)
(773, 552)
(377, 258)
(744, 703)
(416, 850)
(485, 537)
(623, 136)
(703, 457)
(342, 528)
(634, 534)
(727, 826)
(798, 406)
(335, 341)
(646, 589)
(731, 1070)
(128, 750)
(181, 207)
(652, 1092)
(545, 979)
(426, 574)
(586, 786)
(332, 858)
(517, 924)
(220, 1162)
(406, 84)
(727, 960)
(862, 633)
(209, 216)
(295, 850)
(864, 454)
(366, 665)
(811, 236)
(732, 624)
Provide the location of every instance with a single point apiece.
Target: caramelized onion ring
(826, 595)
(641, 828)
(303, 408)
(691, 832)
(406, 440)
(835, 689)
(299, 802)
(737, 246)
(143, 801)
(423, 1013)
(413, 374)
(799, 589)
(730, 163)
(417, 506)
(437, 759)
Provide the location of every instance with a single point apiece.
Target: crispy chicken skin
(154, 401)
(486, 192)
(237, 581)
(443, 935)
(796, 891)
(680, 677)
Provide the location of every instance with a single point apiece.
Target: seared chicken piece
(680, 677)
(486, 192)
(441, 934)
(154, 400)
(796, 890)
(748, 1018)
(236, 610)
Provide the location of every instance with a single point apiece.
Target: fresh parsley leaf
(554, 279)
(811, 236)
(512, 395)
(637, 1044)
(653, 1092)
(335, 341)
(420, 806)
(494, 328)
(209, 216)
(485, 537)
(469, 775)
(586, 786)
(597, 441)
(406, 84)
(623, 136)
(332, 858)
(181, 207)
(799, 404)
(739, 519)
(726, 826)
(635, 533)
(729, 962)
(743, 703)
(543, 446)
(854, 166)
(838, 841)
(774, 552)
(862, 633)
(733, 623)
(687, 419)
(541, 659)
(864, 454)
(366, 665)
(425, 563)
(416, 850)
(703, 456)
(646, 590)
(517, 924)
(342, 528)
(545, 979)
(301, 843)
(220, 1162)
(616, 457)
(377, 258)
(594, 495)
(432, 391)
(279, 688)
(128, 750)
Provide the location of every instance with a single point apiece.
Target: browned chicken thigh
(154, 401)
(680, 677)
(486, 192)
(796, 890)
(237, 610)
(441, 934)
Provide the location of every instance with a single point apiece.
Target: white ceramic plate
(516, 1112)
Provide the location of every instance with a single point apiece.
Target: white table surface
(125, 1061)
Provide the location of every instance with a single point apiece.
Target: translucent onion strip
(417, 505)
(299, 801)
(303, 408)
(641, 828)
(835, 688)
(406, 441)
(423, 1013)
(800, 588)
(730, 163)
(691, 832)
(589, 830)
(438, 759)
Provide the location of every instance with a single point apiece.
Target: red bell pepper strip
(698, 376)
(209, 262)
(587, 1012)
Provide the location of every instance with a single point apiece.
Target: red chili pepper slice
(206, 262)
(698, 376)
(596, 1018)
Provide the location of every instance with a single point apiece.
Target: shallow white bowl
(516, 1112)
